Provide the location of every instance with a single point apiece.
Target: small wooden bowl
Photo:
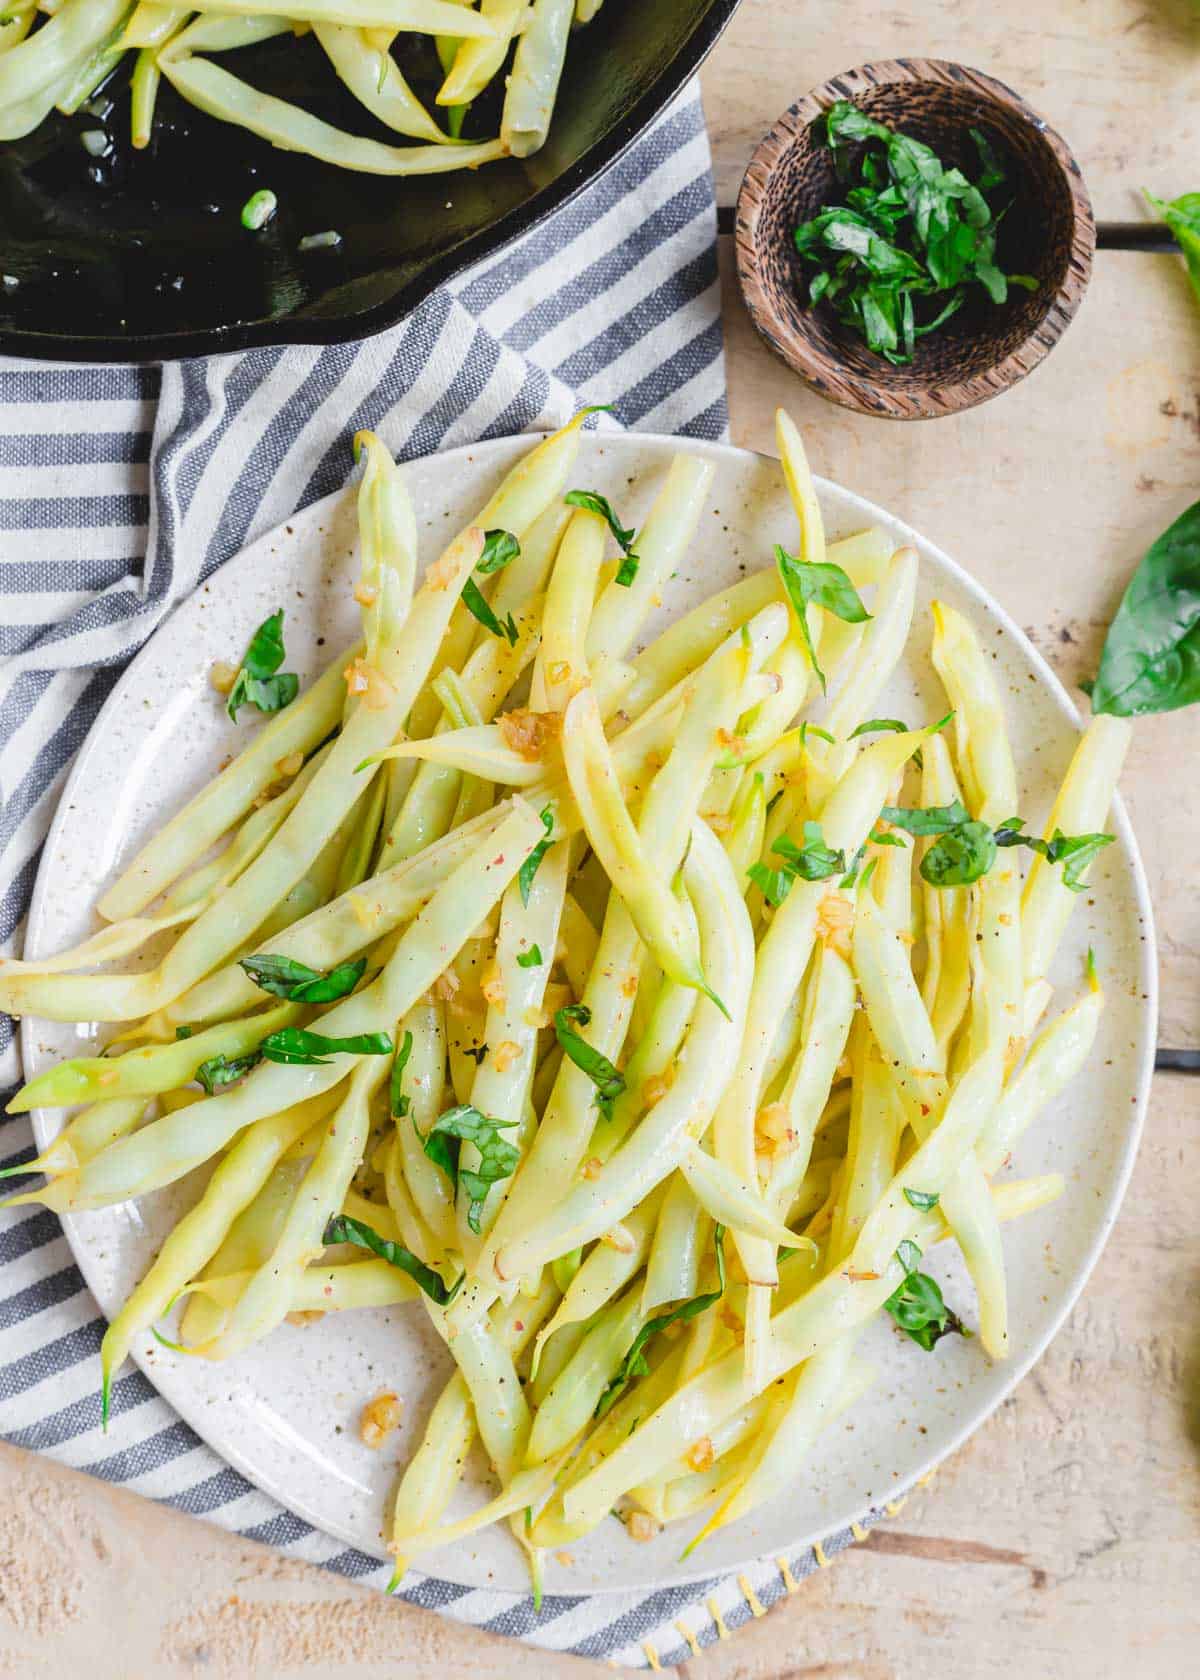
(1048, 232)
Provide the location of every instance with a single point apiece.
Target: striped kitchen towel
(120, 490)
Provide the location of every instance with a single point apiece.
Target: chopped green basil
(286, 978)
(398, 1103)
(917, 1306)
(297, 1044)
(499, 548)
(218, 1071)
(813, 861)
(604, 1076)
(923, 1199)
(259, 681)
(595, 503)
(497, 1157)
(342, 1229)
(925, 819)
(531, 958)
(897, 260)
(530, 867)
(962, 854)
(820, 584)
(634, 1363)
(472, 599)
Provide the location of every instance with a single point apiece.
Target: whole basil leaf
(342, 1229)
(1151, 656)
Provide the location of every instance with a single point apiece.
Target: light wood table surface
(1064, 1539)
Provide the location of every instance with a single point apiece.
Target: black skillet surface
(141, 256)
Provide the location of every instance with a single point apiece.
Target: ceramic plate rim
(1104, 1215)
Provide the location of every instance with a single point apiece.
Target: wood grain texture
(1049, 497)
(1047, 233)
(1117, 78)
(1064, 1539)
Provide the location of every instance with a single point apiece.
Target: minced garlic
(222, 675)
(366, 681)
(379, 1417)
(529, 733)
(700, 1454)
(505, 1054)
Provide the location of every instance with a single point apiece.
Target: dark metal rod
(1177, 1061)
(1110, 236)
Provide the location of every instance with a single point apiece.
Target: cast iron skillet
(142, 257)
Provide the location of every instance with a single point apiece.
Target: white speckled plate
(285, 1413)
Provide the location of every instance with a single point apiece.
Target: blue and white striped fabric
(123, 488)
